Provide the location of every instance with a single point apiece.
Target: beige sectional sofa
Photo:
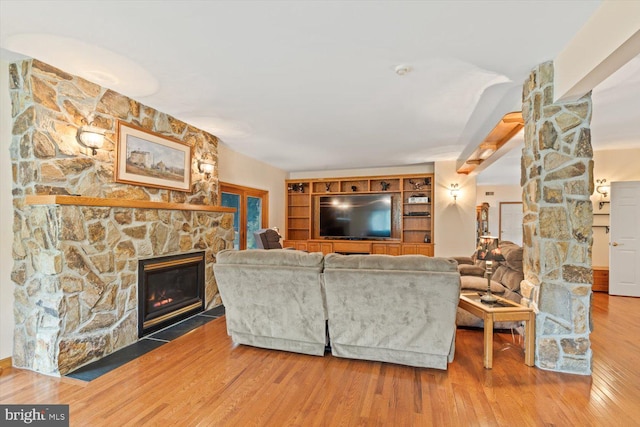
(398, 309)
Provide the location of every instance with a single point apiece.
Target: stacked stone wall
(557, 181)
(75, 267)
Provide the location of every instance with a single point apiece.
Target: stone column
(557, 181)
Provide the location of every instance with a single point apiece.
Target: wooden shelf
(357, 192)
(382, 247)
(119, 203)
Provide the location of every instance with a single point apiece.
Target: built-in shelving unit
(416, 209)
(412, 213)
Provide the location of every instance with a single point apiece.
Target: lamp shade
(91, 136)
(603, 188)
(206, 167)
(489, 249)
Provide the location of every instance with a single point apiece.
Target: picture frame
(151, 160)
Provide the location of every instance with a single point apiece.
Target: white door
(511, 222)
(624, 252)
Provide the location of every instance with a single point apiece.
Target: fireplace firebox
(170, 289)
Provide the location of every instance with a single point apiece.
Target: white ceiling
(311, 85)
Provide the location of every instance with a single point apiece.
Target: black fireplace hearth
(170, 289)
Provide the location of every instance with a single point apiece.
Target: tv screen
(354, 216)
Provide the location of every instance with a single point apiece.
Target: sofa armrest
(463, 260)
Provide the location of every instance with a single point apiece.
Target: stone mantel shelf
(119, 203)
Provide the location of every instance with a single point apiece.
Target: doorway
(252, 212)
(624, 252)
(510, 222)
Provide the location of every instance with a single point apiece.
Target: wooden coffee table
(501, 311)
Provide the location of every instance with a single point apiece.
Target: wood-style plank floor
(203, 379)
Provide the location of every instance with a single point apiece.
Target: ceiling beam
(610, 39)
(502, 132)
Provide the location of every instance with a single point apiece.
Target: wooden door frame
(225, 187)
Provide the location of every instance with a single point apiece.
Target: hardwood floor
(203, 379)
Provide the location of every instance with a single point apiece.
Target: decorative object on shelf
(427, 238)
(454, 190)
(151, 159)
(91, 137)
(418, 198)
(354, 188)
(427, 214)
(603, 188)
(489, 251)
(327, 187)
(384, 185)
(297, 188)
(417, 185)
(206, 167)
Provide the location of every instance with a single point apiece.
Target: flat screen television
(355, 216)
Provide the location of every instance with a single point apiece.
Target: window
(252, 212)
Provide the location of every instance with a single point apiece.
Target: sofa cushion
(390, 262)
(462, 260)
(273, 257)
(512, 254)
(471, 270)
(475, 283)
(509, 277)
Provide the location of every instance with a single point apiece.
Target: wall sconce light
(454, 190)
(206, 167)
(603, 188)
(91, 137)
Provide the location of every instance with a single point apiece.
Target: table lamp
(489, 251)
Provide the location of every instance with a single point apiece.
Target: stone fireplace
(79, 234)
(170, 289)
